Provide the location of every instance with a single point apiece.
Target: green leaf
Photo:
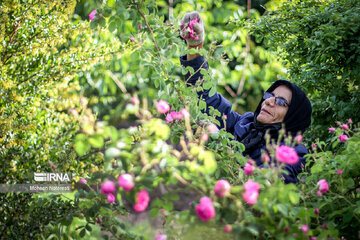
(82, 233)
(294, 197)
(82, 147)
(154, 212)
(88, 227)
(317, 168)
(202, 104)
(112, 152)
(96, 141)
(168, 206)
(207, 85)
(283, 209)
(210, 163)
(212, 92)
(111, 3)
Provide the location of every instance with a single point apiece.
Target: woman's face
(272, 113)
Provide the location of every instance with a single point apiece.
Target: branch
(10, 41)
(231, 92)
(150, 29)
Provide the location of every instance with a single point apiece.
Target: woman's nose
(270, 101)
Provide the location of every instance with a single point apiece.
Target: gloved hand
(192, 28)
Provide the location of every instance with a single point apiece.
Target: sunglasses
(280, 101)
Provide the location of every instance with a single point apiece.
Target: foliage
(174, 162)
(280, 212)
(41, 51)
(320, 42)
(146, 68)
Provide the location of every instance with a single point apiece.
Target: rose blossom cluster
(172, 116)
(163, 107)
(345, 127)
(188, 31)
(126, 182)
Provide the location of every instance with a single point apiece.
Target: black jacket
(239, 125)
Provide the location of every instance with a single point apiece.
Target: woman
(283, 103)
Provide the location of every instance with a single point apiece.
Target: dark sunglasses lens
(281, 102)
(267, 95)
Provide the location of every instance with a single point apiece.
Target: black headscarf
(297, 118)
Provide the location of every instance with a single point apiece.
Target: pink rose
(161, 237)
(314, 146)
(331, 129)
(135, 100)
(304, 228)
(316, 211)
(227, 228)
(176, 115)
(343, 138)
(345, 126)
(212, 128)
(53, 166)
(339, 171)
(111, 198)
(92, 15)
(204, 137)
(99, 220)
(205, 209)
(140, 27)
(83, 181)
(169, 118)
(108, 187)
(323, 186)
(132, 39)
(312, 238)
(249, 168)
(126, 181)
(350, 120)
(162, 106)
(298, 138)
(251, 191)
(286, 155)
(142, 201)
(222, 188)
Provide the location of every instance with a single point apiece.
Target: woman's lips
(263, 110)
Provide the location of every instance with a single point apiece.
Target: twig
(10, 41)
(116, 80)
(150, 29)
(231, 92)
